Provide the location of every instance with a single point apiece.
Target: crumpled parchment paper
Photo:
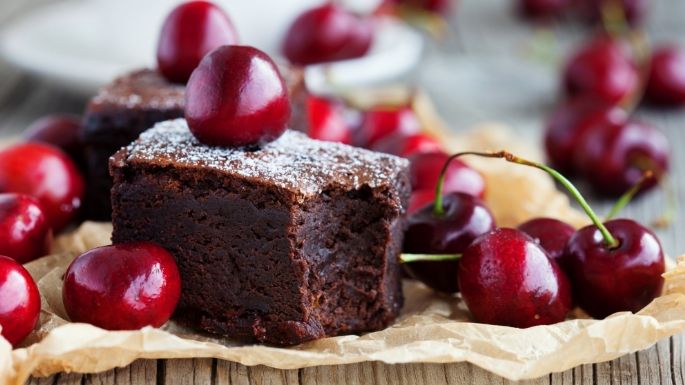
(432, 328)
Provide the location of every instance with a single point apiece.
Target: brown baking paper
(431, 329)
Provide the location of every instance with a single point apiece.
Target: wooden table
(484, 29)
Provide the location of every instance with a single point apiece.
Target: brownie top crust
(140, 89)
(293, 162)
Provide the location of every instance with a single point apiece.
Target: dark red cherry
(666, 84)
(47, 174)
(542, 9)
(382, 122)
(327, 33)
(62, 131)
(624, 278)
(404, 145)
(237, 97)
(507, 279)
(327, 121)
(465, 217)
(634, 10)
(425, 171)
(122, 287)
(567, 124)
(24, 229)
(603, 69)
(614, 156)
(551, 234)
(192, 30)
(19, 301)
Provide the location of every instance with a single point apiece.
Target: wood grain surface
(485, 35)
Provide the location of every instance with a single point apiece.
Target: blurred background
(488, 64)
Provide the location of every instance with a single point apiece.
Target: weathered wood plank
(187, 371)
(263, 375)
(230, 373)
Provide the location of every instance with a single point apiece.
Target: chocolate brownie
(290, 242)
(130, 105)
(114, 118)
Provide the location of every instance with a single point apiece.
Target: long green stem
(408, 258)
(609, 239)
(629, 195)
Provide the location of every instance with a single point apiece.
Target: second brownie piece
(283, 244)
(114, 118)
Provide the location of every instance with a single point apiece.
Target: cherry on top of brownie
(293, 162)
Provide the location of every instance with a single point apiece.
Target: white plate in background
(84, 44)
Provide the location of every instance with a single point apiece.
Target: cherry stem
(611, 242)
(409, 258)
(629, 195)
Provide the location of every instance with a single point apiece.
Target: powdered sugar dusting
(142, 89)
(293, 162)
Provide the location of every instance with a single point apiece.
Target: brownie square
(130, 105)
(114, 118)
(282, 244)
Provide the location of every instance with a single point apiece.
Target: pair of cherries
(530, 275)
(118, 287)
(235, 95)
(601, 143)
(604, 69)
(592, 135)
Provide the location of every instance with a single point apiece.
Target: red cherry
(608, 280)
(542, 9)
(614, 156)
(191, 31)
(327, 33)
(381, 122)
(666, 85)
(404, 145)
(601, 69)
(506, 278)
(237, 97)
(24, 230)
(425, 171)
(327, 120)
(551, 234)
(62, 131)
(19, 301)
(122, 287)
(465, 217)
(47, 174)
(567, 124)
